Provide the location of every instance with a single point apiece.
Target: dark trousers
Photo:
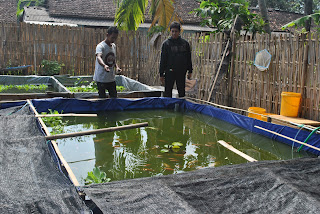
(110, 86)
(172, 77)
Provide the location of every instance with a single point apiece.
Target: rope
(19, 109)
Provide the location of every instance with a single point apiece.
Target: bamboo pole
(289, 138)
(231, 148)
(224, 54)
(56, 148)
(67, 115)
(97, 131)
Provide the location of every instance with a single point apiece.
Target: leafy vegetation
(130, 13)
(50, 68)
(221, 14)
(175, 147)
(55, 123)
(301, 21)
(96, 176)
(92, 87)
(23, 88)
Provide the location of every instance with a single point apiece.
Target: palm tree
(131, 13)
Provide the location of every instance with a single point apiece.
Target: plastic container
(290, 104)
(257, 110)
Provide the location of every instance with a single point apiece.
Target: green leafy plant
(96, 176)
(301, 21)
(41, 87)
(50, 68)
(55, 123)
(175, 147)
(92, 87)
(221, 14)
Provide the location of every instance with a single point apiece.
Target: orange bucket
(290, 104)
(257, 110)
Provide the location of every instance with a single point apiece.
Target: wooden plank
(56, 148)
(97, 131)
(231, 148)
(295, 120)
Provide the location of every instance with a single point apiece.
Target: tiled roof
(8, 9)
(101, 13)
(37, 15)
(278, 18)
(105, 9)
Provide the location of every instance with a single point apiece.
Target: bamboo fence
(294, 66)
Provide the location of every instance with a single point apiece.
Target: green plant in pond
(175, 147)
(50, 68)
(26, 87)
(96, 176)
(55, 123)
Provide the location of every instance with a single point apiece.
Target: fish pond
(173, 142)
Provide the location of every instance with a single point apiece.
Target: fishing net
(259, 187)
(262, 60)
(30, 180)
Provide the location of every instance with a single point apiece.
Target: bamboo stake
(231, 148)
(56, 148)
(289, 138)
(224, 54)
(97, 131)
(67, 115)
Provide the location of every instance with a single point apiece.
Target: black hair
(175, 25)
(112, 30)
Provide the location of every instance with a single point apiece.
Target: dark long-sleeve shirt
(175, 55)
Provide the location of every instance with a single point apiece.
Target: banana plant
(131, 13)
(301, 21)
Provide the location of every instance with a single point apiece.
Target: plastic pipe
(305, 141)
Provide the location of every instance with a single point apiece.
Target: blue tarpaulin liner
(85, 106)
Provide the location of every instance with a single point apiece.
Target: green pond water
(137, 153)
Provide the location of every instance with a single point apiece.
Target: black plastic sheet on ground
(30, 181)
(261, 187)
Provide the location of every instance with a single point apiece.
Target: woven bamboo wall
(294, 65)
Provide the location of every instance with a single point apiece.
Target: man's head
(112, 34)
(175, 28)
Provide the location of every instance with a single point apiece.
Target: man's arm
(101, 62)
(163, 62)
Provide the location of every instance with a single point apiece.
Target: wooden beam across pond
(231, 148)
(67, 115)
(97, 131)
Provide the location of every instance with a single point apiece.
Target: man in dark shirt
(175, 62)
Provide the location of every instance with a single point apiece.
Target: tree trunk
(264, 14)
(308, 11)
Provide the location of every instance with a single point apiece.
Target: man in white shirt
(106, 66)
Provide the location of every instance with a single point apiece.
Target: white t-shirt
(109, 58)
